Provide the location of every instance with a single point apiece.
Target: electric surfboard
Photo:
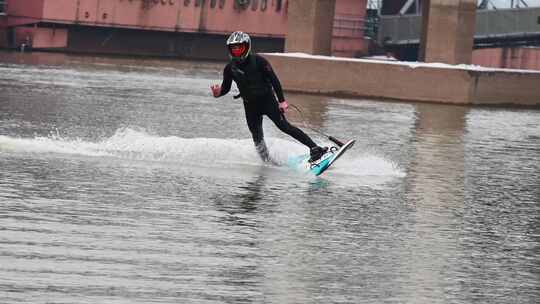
(302, 163)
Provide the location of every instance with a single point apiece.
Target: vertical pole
(424, 30)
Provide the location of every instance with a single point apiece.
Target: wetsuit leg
(273, 112)
(254, 120)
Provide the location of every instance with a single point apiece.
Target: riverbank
(408, 81)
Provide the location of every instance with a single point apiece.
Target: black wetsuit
(255, 79)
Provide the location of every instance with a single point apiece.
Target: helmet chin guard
(239, 46)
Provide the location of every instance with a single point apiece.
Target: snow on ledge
(412, 65)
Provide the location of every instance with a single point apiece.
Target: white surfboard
(318, 167)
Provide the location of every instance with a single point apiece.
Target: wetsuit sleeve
(227, 80)
(269, 72)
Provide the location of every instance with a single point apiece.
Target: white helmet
(239, 45)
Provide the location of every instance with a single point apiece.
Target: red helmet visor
(237, 50)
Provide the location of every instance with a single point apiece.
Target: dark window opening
(11, 38)
(3, 5)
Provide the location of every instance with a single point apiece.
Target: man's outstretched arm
(225, 87)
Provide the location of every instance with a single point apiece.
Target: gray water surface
(124, 181)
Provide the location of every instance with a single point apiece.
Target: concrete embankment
(425, 82)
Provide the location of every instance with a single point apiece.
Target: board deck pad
(302, 163)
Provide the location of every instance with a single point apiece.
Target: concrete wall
(513, 58)
(365, 78)
(506, 88)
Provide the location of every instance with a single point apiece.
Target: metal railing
(399, 29)
(348, 25)
(507, 23)
(501, 24)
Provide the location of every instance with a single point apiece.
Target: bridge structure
(399, 28)
(443, 75)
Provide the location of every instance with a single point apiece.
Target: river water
(124, 181)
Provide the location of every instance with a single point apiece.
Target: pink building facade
(349, 23)
(185, 28)
(525, 58)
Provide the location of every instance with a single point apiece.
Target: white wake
(205, 152)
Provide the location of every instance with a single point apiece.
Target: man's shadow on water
(258, 195)
(318, 184)
(244, 200)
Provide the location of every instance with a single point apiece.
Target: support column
(448, 28)
(309, 26)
